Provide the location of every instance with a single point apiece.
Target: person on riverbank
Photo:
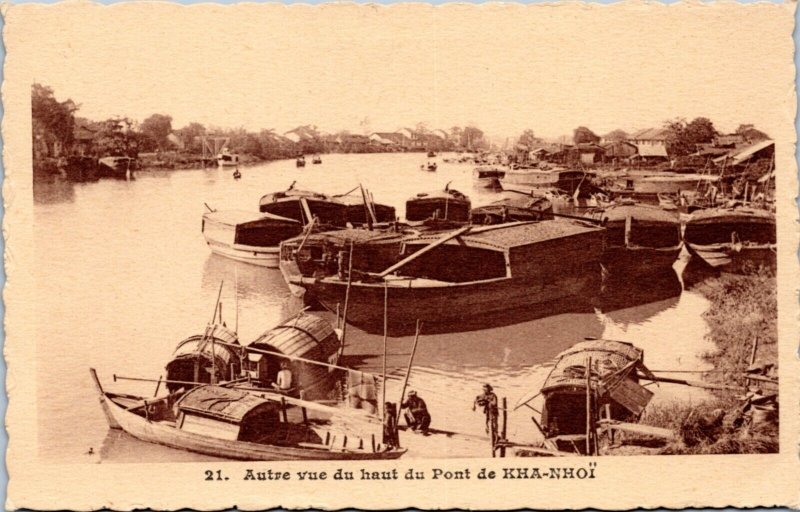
(416, 413)
(488, 400)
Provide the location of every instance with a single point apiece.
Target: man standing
(417, 416)
(488, 400)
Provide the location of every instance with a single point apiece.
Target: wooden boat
(316, 160)
(319, 253)
(298, 341)
(237, 174)
(247, 236)
(513, 209)
(529, 180)
(227, 159)
(431, 154)
(119, 167)
(488, 177)
(613, 390)
(735, 239)
(668, 182)
(301, 161)
(241, 425)
(303, 205)
(469, 278)
(360, 214)
(431, 167)
(197, 357)
(447, 204)
(640, 238)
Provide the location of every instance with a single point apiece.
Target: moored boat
(119, 167)
(469, 278)
(300, 342)
(227, 159)
(640, 238)
(735, 239)
(361, 213)
(513, 209)
(447, 204)
(610, 385)
(303, 206)
(197, 357)
(316, 160)
(242, 425)
(300, 162)
(488, 177)
(529, 180)
(250, 237)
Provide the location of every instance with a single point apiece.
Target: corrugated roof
(747, 153)
(300, 336)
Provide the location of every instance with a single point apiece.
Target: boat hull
(261, 256)
(733, 258)
(622, 261)
(455, 307)
(163, 434)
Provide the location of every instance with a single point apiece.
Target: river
(123, 274)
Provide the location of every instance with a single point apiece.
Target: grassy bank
(743, 313)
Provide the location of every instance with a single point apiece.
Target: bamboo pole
(588, 404)
(410, 363)
(346, 301)
(505, 426)
(157, 386)
(385, 339)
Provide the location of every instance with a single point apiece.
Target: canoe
(236, 424)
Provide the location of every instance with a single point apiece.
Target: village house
(651, 143)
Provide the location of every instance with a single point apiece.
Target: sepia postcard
(492, 256)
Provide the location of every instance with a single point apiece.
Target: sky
(545, 68)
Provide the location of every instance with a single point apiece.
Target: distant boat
(301, 161)
(528, 180)
(227, 159)
(614, 375)
(317, 160)
(432, 166)
(237, 174)
(250, 237)
(665, 182)
(734, 239)
(447, 204)
(640, 238)
(488, 177)
(513, 209)
(431, 154)
(119, 167)
(468, 278)
(236, 424)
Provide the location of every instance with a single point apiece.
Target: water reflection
(635, 301)
(53, 190)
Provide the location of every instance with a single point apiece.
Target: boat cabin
(197, 357)
(513, 209)
(305, 336)
(642, 225)
(357, 213)
(236, 415)
(445, 204)
(243, 228)
(302, 206)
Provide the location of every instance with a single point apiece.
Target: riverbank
(742, 322)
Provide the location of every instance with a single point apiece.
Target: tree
(117, 136)
(527, 138)
(191, 134)
(455, 134)
(157, 127)
(472, 138)
(750, 133)
(616, 136)
(583, 135)
(53, 121)
(683, 137)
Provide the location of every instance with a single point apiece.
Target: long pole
(410, 363)
(236, 297)
(385, 336)
(346, 300)
(588, 405)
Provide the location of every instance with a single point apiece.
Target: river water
(123, 274)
